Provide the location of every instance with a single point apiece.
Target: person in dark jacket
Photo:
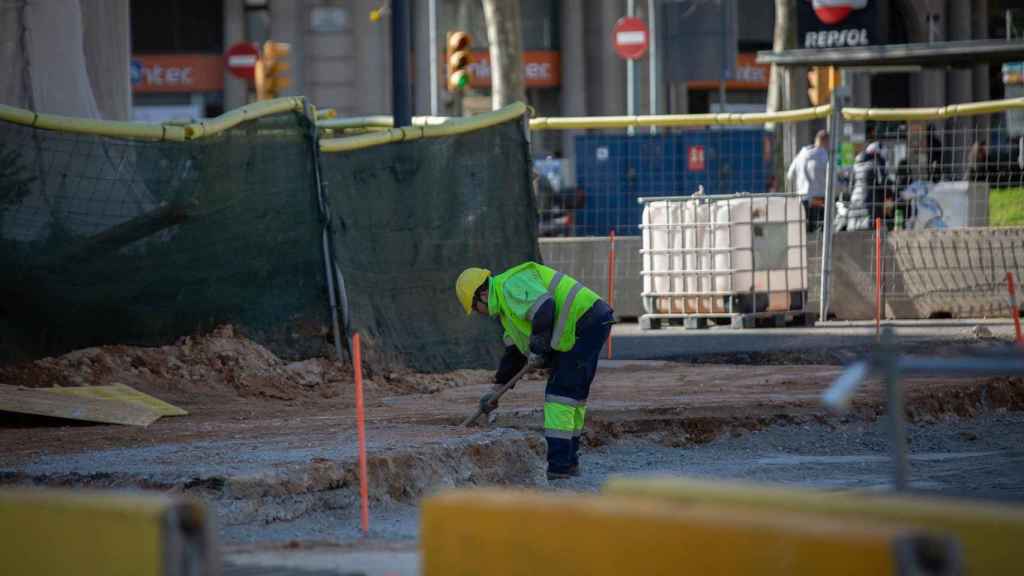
(868, 190)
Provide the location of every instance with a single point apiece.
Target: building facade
(341, 58)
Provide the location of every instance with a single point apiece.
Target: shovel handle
(501, 392)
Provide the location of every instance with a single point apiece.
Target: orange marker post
(364, 504)
(1014, 309)
(878, 277)
(611, 284)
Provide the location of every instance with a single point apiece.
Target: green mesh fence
(106, 240)
(408, 218)
(114, 241)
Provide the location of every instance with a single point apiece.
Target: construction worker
(551, 321)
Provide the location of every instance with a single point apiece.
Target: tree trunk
(505, 40)
(784, 39)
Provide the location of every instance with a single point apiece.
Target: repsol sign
(837, 23)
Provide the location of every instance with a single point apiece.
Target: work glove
(489, 402)
(539, 361)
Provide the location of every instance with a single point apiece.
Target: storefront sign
(541, 68)
(177, 73)
(749, 75)
(824, 24)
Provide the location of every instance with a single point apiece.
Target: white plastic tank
(759, 246)
(663, 244)
(728, 254)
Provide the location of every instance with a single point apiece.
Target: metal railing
(887, 364)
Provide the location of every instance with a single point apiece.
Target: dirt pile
(223, 363)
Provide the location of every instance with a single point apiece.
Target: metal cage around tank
(734, 258)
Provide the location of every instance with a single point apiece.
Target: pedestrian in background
(807, 176)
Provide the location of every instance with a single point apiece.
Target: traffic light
(271, 74)
(821, 81)
(458, 59)
(817, 86)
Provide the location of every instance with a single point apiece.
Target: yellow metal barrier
(925, 114)
(990, 534)
(677, 120)
(499, 533)
(446, 127)
(145, 131)
(104, 534)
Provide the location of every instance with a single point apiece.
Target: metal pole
(401, 95)
(897, 418)
(630, 76)
(721, 56)
(652, 73)
(835, 130)
(432, 15)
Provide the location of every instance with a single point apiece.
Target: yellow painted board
(123, 393)
(991, 534)
(517, 533)
(92, 533)
(46, 403)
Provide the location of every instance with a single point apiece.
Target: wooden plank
(46, 403)
(123, 393)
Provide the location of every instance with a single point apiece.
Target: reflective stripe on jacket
(516, 294)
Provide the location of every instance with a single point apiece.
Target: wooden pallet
(735, 321)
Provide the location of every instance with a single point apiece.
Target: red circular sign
(630, 38)
(241, 59)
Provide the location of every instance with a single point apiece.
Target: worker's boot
(553, 475)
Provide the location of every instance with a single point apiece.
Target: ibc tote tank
(724, 255)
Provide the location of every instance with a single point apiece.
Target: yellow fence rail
(168, 132)
(378, 129)
(447, 127)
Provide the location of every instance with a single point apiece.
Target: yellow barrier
(677, 120)
(103, 533)
(991, 535)
(446, 127)
(497, 533)
(377, 122)
(168, 132)
(925, 114)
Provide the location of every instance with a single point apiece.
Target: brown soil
(222, 364)
(236, 389)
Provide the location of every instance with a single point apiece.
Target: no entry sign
(630, 38)
(241, 59)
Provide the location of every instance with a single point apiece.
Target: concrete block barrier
(86, 533)
(496, 532)
(990, 534)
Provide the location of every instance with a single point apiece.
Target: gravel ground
(979, 458)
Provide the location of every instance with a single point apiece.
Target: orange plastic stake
(364, 504)
(611, 284)
(1014, 309)
(878, 277)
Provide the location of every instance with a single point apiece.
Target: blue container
(614, 170)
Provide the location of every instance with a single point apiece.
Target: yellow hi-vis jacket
(516, 294)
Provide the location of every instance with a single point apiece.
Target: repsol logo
(836, 38)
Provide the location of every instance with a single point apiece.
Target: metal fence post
(835, 129)
(897, 418)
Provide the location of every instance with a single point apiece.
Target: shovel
(500, 392)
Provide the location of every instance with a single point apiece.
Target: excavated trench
(262, 483)
(294, 474)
